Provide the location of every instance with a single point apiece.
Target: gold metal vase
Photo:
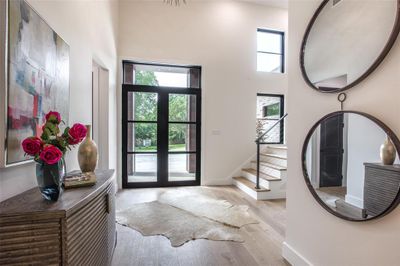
(87, 153)
(388, 152)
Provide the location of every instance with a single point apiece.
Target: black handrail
(274, 125)
(258, 148)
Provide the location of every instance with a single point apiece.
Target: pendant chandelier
(176, 2)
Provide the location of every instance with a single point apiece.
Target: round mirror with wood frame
(345, 41)
(351, 165)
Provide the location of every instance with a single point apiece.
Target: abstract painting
(37, 77)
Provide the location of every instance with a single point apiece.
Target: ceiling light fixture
(176, 2)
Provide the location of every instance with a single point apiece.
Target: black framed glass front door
(161, 133)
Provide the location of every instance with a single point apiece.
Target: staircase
(273, 162)
(265, 177)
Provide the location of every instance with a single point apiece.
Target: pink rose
(32, 145)
(53, 117)
(76, 133)
(51, 154)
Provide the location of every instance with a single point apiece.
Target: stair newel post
(258, 164)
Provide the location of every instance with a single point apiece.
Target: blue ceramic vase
(50, 178)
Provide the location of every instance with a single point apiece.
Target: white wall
(221, 37)
(360, 152)
(313, 157)
(90, 28)
(312, 232)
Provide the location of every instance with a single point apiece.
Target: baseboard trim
(293, 257)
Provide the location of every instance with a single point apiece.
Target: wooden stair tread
(250, 184)
(277, 147)
(262, 174)
(274, 155)
(271, 165)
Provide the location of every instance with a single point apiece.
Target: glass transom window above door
(161, 111)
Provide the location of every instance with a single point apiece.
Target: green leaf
(45, 135)
(65, 134)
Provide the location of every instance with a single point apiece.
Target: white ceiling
(273, 3)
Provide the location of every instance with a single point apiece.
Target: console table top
(394, 167)
(31, 201)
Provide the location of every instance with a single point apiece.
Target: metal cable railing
(268, 138)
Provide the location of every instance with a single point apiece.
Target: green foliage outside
(146, 78)
(171, 147)
(146, 110)
(178, 111)
(272, 110)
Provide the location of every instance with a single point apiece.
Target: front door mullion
(163, 138)
(124, 136)
(198, 136)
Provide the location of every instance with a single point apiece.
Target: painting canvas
(37, 77)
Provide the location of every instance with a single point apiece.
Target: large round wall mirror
(346, 40)
(343, 168)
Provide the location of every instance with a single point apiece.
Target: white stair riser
(264, 195)
(273, 160)
(267, 170)
(281, 175)
(245, 189)
(271, 185)
(275, 151)
(253, 178)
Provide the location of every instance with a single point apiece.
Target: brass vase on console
(388, 152)
(87, 153)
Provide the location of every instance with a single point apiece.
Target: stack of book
(79, 179)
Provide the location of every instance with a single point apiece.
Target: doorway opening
(161, 125)
(100, 111)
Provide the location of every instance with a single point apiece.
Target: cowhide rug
(182, 216)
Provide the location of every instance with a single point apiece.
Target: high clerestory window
(270, 51)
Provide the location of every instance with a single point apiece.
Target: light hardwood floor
(262, 246)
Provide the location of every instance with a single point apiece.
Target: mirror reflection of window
(332, 84)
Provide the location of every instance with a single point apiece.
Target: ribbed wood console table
(381, 186)
(78, 229)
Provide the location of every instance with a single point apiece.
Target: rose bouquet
(51, 146)
(49, 150)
